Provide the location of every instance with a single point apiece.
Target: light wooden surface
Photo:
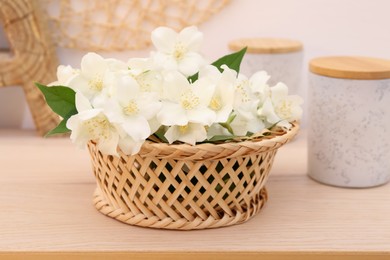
(346, 67)
(46, 212)
(266, 45)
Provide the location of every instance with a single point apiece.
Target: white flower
(184, 102)
(280, 108)
(190, 133)
(217, 129)
(140, 65)
(223, 97)
(258, 85)
(115, 65)
(64, 75)
(246, 119)
(146, 74)
(178, 51)
(91, 79)
(92, 124)
(131, 109)
(121, 104)
(245, 109)
(243, 93)
(127, 144)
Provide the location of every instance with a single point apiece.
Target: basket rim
(288, 134)
(210, 151)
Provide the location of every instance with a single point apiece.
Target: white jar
(281, 58)
(349, 121)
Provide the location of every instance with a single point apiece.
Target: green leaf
(193, 78)
(217, 138)
(233, 61)
(60, 129)
(227, 127)
(272, 126)
(160, 135)
(60, 99)
(231, 118)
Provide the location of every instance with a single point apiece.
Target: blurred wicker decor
(118, 25)
(31, 57)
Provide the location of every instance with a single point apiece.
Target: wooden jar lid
(351, 67)
(266, 45)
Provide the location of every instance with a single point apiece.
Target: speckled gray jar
(349, 131)
(281, 58)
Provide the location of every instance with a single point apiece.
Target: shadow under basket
(186, 187)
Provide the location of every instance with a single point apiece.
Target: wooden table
(46, 212)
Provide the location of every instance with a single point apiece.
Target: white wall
(326, 27)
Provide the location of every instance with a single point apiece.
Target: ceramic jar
(349, 121)
(281, 58)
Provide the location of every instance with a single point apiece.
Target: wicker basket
(186, 187)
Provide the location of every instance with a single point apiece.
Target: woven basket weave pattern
(183, 186)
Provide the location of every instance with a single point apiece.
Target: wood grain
(46, 202)
(266, 45)
(346, 67)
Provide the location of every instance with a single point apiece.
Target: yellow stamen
(183, 129)
(244, 95)
(215, 104)
(189, 101)
(179, 51)
(131, 108)
(96, 83)
(98, 128)
(283, 110)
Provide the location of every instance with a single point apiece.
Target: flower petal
(129, 146)
(149, 105)
(93, 65)
(195, 133)
(190, 63)
(82, 103)
(259, 81)
(154, 124)
(115, 65)
(191, 38)
(78, 135)
(279, 92)
(202, 115)
(139, 65)
(190, 133)
(217, 129)
(239, 126)
(174, 85)
(109, 145)
(88, 114)
(204, 89)
(164, 39)
(137, 127)
(64, 74)
(222, 115)
(172, 134)
(80, 84)
(255, 125)
(113, 112)
(127, 88)
(268, 111)
(172, 114)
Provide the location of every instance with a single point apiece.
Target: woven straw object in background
(117, 25)
(186, 187)
(31, 57)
